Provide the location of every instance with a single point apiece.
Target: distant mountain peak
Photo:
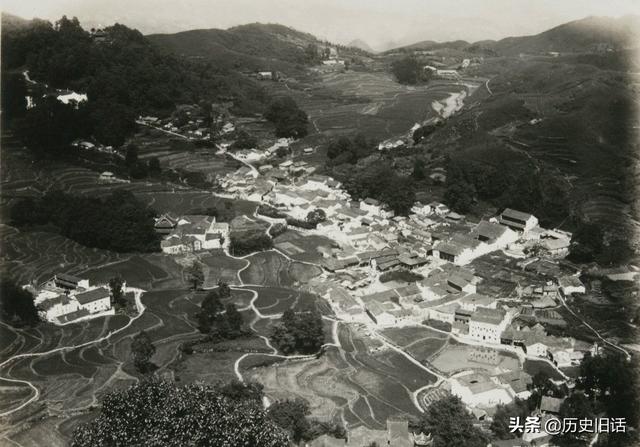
(361, 44)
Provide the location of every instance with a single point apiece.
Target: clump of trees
(244, 140)
(217, 320)
(117, 293)
(349, 150)
(118, 222)
(163, 414)
(590, 242)
(194, 275)
(142, 349)
(299, 332)
(17, 306)
(381, 182)
(288, 118)
(408, 70)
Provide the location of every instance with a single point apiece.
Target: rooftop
(92, 295)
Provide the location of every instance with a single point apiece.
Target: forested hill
(123, 74)
(254, 46)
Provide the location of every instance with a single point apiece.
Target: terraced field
(270, 268)
(372, 103)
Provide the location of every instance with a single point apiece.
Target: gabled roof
(509, 213)
(488, 230)
(490, 316)
(92, 295)
(68, 278)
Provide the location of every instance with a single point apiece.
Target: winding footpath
(140, 308)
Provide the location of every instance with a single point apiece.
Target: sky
(382, 24)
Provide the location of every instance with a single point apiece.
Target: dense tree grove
(244, 140)
(123, 74)
(381, 182)
(409, 70)
(299, 332)
(451, 425)
(162, 414)
(118, 222)
(349, 150)
(16, 305)
(289, 119)
(522, 186)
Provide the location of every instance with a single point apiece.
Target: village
(385, 271)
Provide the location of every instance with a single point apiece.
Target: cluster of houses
(67, 298)
(190, 233)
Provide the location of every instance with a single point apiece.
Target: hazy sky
(377, 22)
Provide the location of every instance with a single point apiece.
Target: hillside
(585, 35)
(588, 34)
(254, 46)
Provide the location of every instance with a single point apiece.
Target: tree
(299, 332)
(316, 216)
(579, 407)
(195, 275)
(500, 424)
(282, 152)
(291, 415)
(131, 157)
(165, 415)
(17, 305)
(117, 294)
(234, 318)
(451, 425)
(418, 169)
(142, 349)
(223, 289)
(209, 311)
(244, 140)
(407, 70)
(154, 166)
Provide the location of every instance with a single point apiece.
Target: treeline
(118, 222)
(123, 74)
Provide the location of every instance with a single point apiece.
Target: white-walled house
(487, 325)
(570, 285)
(65, 298)
(376, 208)
(478, 390)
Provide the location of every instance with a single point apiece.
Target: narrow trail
(605, 341)
(139, 306)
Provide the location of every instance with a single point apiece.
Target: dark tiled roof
(92, 295)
